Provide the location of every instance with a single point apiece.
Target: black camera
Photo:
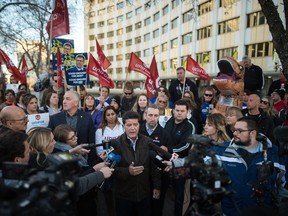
(49, 192)
(281, 137)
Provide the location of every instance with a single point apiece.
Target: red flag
(152, 83)
(59, 68)
(193, 67)
(59, 19)
(4, 59)
(103, 60)
(95, 69)
(136, 64)
(24, 69)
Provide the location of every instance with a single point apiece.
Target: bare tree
(278, 29)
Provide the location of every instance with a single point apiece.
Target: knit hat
(116, 98)
(281, 93)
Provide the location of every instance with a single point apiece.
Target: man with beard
(242, 159)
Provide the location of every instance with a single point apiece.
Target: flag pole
(50, 42)
(184, 84)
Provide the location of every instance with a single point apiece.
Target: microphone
(157, 160)
(114, 159)
(163, 153)
(204, 140)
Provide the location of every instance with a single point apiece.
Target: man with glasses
(263, 119)
(13, 118)
(242, 159)
(128, 98)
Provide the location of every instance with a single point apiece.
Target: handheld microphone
(114, 159)
(166, 155)
(157, 160)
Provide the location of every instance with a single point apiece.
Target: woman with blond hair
(215, 128)
(267, 104)
(208, 98)
(232, 114)
(162, 103)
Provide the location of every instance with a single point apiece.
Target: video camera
(48, 192)
(281, 137)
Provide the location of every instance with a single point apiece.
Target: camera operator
(253, 167)
(16, 151)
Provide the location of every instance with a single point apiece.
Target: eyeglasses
(208, 95)
(73, 138)
(238, 131)
(22, 119)
(127, 93)
(264, 102)
(162, 102)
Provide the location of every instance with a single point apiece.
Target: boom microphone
(204, 140)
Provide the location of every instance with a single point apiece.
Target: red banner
(136, 64)
(24, 69)
(152, 83)
(4, 59)
(59, 20)
(59, 68)
(95, 69)
(193, 67)
(103, 60)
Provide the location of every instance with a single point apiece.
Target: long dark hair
(104, 122)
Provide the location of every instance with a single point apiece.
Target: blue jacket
(244, 176)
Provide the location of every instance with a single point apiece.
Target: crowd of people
(131, 122)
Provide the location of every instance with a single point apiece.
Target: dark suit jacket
(85, 128)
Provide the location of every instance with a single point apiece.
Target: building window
(174, 63)
(110, 46)
(110, 71)
(164, 29)
(120, 5)
(146, 37)
(226, 52)
(138, 10)
(147, 5)
(174, 23)
(119, 70)
(156, 16)
(110, 58)
(187, 16)
(119, 31)
(147, 21)
(205, 7)
(101, 12)
(259, 49)
(138, 40)
(100, 36)
(203, 57)
(155, 50)
(174, 43)
(128, 42)
(120, 18)
(155, 33)
(110, 21)
(255, 19)
(110, 9)
(129, 29)
(146, 52)
(164, 65)
(127, 56)
(165, 10)
(91, 37)
(225, 3)
(92, 48)
(91, 25)
(129, 15)
(138, 54)
(119, 44)
(100, 24)
(164, 47)
(110, 34)
(138, 25)
(101, 1)
(119, 57)
(175, 3)
(187, 38)
(204, 32)
(229, 26)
